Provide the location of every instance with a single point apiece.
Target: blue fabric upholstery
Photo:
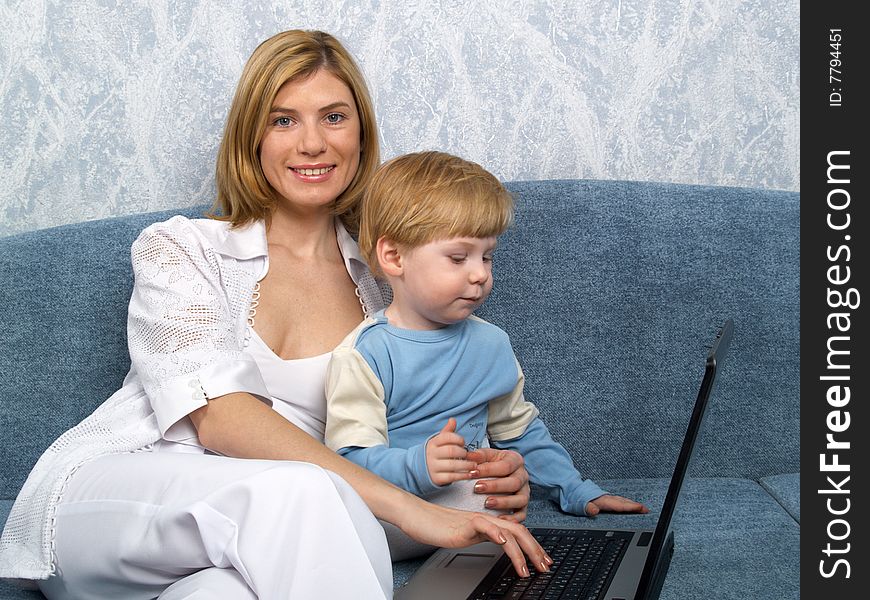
(610, 292)
(786, 489)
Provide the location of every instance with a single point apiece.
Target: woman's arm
(240, 425)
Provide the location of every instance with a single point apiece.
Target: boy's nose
(478, 273)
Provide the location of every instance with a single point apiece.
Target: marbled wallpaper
(115, 107)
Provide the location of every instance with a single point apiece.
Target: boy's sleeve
(550, 466)
(356, 425)
(403, 467)
(355, 410)
(509, 415)
(514, 424)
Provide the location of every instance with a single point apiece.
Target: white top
(187, 330)
(297, 386)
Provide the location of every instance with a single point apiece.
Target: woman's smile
(313, 173)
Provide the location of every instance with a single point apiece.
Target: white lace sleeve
(186, 322)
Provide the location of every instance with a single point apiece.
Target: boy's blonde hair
(423, 197)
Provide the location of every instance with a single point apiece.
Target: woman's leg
(210, 584)
(131, 525)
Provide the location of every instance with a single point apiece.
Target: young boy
(429, 225)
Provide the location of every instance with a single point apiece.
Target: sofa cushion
(10, 592)
(732, 540)
(787, 491)
(610, 293)
(63, 297)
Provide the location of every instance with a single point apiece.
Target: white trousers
(170, 525)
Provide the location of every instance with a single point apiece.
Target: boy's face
(442, 282)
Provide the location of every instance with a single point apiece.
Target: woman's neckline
(275, 355)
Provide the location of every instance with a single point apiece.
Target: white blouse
(296, 387)
(188, 334)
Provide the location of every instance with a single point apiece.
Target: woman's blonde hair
(243, 193)
(423, 197)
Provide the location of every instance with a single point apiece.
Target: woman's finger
(448, 477)
(498, 463)
(514, 505)
(503, 485)
(518, 544)
(515, 517)
(501, 536)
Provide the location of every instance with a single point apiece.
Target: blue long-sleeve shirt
(389, 390)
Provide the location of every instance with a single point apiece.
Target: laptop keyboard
(584, 563)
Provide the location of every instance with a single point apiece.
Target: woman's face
(310, 150)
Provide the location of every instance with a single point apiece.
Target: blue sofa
(610, 291)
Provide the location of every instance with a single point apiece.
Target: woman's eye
(283, 122)
(334, 118)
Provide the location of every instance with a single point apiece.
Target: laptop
(599, 564)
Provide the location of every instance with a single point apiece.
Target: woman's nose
(312, 142)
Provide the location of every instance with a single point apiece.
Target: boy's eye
(487, 258)
(458, 258)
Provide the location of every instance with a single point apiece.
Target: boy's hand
(445, 456)
(615, 504)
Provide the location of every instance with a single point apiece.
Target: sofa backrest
(609, 290)
(63, 349)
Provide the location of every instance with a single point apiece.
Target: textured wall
(117, 107)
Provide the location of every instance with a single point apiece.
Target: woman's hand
(451, 528)
(507, 483)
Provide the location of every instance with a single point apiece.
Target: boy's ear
(389, 257)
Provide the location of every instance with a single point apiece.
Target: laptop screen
(653, 567)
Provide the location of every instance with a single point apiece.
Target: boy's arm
(356, 424)
(405, 468)
(514, 424)
(550, 466)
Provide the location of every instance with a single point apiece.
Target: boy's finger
(450, 451)
(450, 427)
(449, 439)
(453, 465)
(447, 477)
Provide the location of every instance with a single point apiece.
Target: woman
(206, 474)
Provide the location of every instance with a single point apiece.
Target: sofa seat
(753, 556)
(786, 489)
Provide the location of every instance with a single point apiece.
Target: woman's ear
(389, 257)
